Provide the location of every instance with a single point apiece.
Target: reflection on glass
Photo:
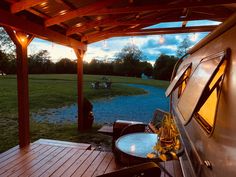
(132, 148)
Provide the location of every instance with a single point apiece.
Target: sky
(107, 49)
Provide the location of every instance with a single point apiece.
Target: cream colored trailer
(203, 102)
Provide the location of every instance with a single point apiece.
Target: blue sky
(149, 45)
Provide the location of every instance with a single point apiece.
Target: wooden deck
(58, 158)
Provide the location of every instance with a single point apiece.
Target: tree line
(130, 61)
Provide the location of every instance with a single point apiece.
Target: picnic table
(104, 83)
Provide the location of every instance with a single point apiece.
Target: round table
(133, 148)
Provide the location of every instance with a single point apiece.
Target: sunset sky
(149, 45)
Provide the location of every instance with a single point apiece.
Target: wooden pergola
(76, 23)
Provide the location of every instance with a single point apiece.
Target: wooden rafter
(113, 22)
(186, 12)
(92, 24)
(184, 23)
(166, 31)
(24, 4)
(78, 12)
(155, 31)
(103, 33)
(213, 11)
(38, 30)
(160, 7)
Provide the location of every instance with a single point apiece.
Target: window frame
(184, 80)
(177, 81)
(221, 56)
(201, 120)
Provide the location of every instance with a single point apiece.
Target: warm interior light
(99, 17)
(131, 1)
(43, 4)
(208, 109)
(22, 39)
(161, 39)
(134, 26)
(62, 12)
(78, 24)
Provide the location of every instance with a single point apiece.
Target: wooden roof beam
(113, 22)
(25, 4)
(156, 31)
(83, 11)
(184, 23)
(155, 7)
(39, 31)
(166, 31)
(103, 33)
(92, 24)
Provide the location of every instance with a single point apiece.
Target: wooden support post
(22, 40)
(80, 54)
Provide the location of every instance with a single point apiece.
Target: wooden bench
(106, 129)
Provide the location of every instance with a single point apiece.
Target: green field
(51, 91)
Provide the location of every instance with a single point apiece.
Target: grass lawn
(51, 91)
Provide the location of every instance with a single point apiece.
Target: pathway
(138, 107)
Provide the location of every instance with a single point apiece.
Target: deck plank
(68, 163)
(112, 166)
(59, 163)
(77, 164)
(63, 143)
(65, 159)
(104, 164)
(33, 162)
(94, 165)
(20, 159)
(51, 161)
(83, 167)
(106, 129)
(26, 161)
(9, 151)
(41, 162)
(15, 154)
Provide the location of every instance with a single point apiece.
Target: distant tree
(183, 47)
(128, 60)
(66, 66)
(163, 67)
(40, 63)
(6, 43)
(7, 53)
(4, 62)
(130, 53)
(147, 68)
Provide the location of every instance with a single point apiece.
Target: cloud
(149, 45)
(154, 43)
(56, 51)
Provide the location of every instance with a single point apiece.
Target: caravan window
(185, 79)
(205, 114)
(200, 90)
(179, 79)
